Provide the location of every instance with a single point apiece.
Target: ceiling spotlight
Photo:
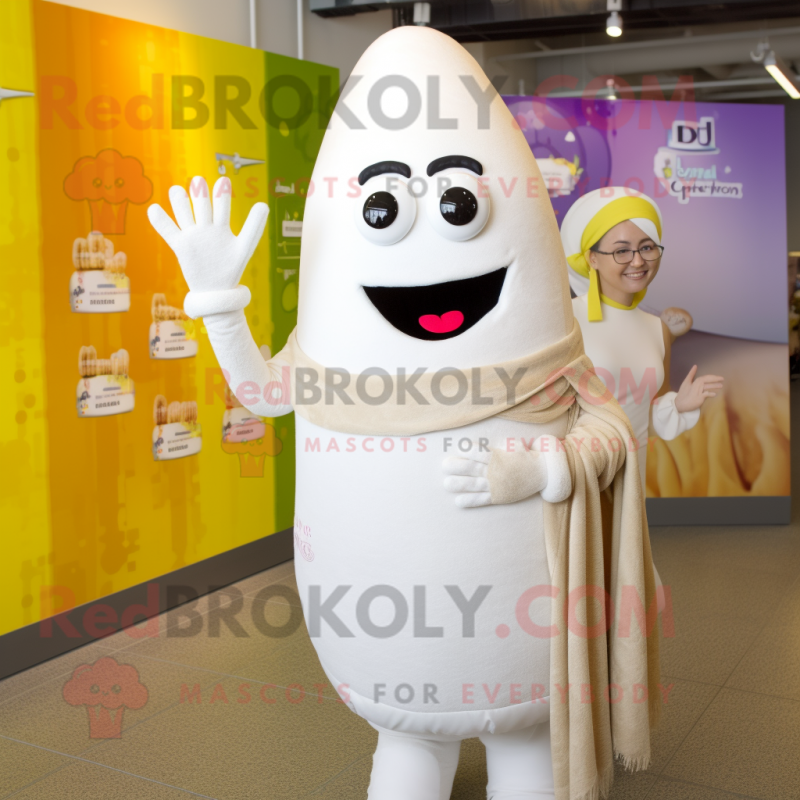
(610, 92)
(614, 21)
(783, 74)
(422, 13)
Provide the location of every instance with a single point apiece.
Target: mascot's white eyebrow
(437, 165)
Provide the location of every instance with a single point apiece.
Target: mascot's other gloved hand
(211, 257)
(494, 477)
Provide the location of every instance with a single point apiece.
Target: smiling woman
(613, 246)
(627, 275)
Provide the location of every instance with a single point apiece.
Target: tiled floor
(235, 715)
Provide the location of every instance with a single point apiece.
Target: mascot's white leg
(519, 764)
(406, 767)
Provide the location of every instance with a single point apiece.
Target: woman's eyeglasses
(649, 252)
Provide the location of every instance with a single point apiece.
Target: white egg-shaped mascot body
(428, 243)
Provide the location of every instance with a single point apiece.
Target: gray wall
(793, 172)
(792, 112)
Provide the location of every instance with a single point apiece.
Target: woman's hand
(693, 392)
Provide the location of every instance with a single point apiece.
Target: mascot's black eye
(380, 210)
(458, 206)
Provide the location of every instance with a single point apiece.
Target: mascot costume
(452, 441)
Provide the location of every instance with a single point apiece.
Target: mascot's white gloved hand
(213, 260)
(494, 477)
(211, 257)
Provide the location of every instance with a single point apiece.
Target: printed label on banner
(693, 136)
(103, 395)
(173, 339)
(252, 453)
(241, 425)
(176, 440)
(679, 171)
(98, 291)
(292, 228)
(559, 175)
(691, 180)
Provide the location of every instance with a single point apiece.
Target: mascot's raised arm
(212, 260)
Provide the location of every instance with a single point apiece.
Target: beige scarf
(619, 662)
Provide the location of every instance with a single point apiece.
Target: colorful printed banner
(717, 172)
(124, 456)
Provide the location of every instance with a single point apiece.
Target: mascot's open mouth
(441, 310)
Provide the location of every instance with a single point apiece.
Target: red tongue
(444, 324)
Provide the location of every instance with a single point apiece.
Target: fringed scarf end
(634, 763)
(599, 790)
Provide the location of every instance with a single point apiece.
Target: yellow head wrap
(611, 214)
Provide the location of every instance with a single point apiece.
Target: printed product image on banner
(239, 424)
(177, 432)
(105, 387)
(99, 284)
(559, 175)
(253, 453)
(172, 333)
(288, 219)
(248, 436)
(573, 158)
